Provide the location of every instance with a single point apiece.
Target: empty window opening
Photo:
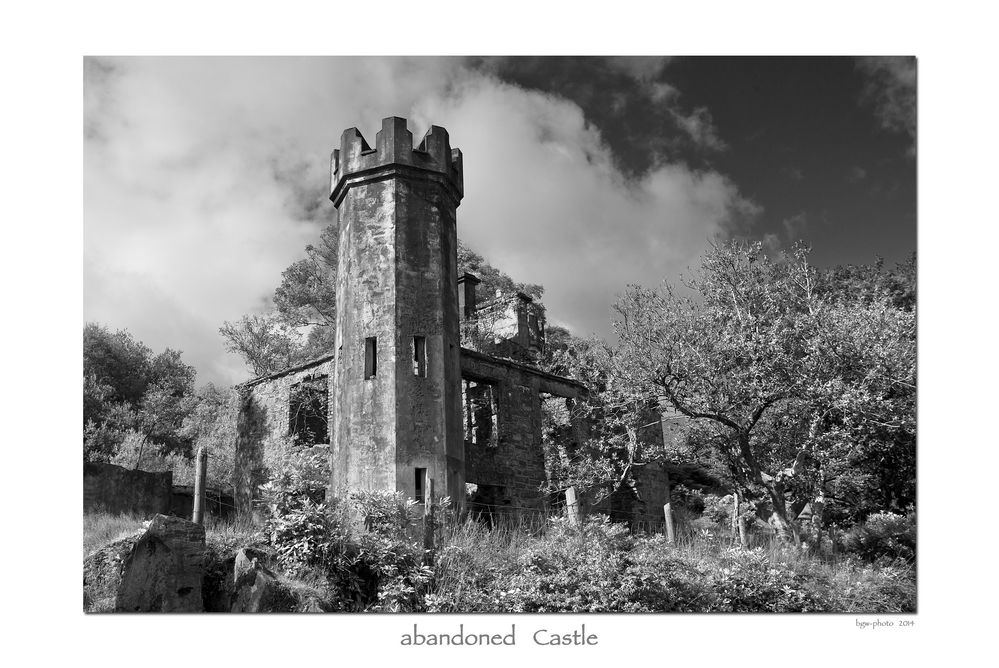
(370, 357)
(420, 356)
(562, 431)
(480, 414)
(308, 411)
(486, 503)
(421, 477)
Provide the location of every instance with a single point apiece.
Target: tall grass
(601, 567)
(100, 529)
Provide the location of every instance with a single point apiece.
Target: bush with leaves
(362, 542)
(571, 569)
(749, 581)
(884, 536)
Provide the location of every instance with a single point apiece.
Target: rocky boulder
(102, 574)
(164, 569)
(257, 588)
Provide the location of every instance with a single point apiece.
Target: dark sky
(825, 145)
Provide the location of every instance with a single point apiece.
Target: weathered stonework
(514, 469)
(510, 326)
(264, 413)
(396, 293)
(115, 489)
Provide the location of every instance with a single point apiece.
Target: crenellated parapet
(394, 155)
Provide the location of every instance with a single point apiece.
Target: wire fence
(502, 514)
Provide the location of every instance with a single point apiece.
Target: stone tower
(397, 379)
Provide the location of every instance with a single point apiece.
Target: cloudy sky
(205, 177)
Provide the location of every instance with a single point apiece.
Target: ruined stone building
(428, 380)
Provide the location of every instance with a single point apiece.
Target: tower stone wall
(396, 388)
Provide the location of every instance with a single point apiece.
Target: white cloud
(795, 226)
(891, 86)
(641, 68)
(204, 178)
(699, 125)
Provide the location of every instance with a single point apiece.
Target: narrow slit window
(370, 357)
(421, 476)
(420, 356)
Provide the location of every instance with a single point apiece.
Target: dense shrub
(571, 569)
(362, 543)
(688, 499)
(749, 581)
(718, 508)
(600, 567)
(884, 536)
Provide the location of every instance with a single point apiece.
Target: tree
(159, 418)
(783, 379)
(118, 367)
(267, 343)
(128, 388)
(307, 293)
(212, 424)
(865, 412)
(619, 415)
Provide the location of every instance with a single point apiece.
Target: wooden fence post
(735, 516)
(428, 521)
(670, 531)
(200, 473)
(743, 533)
(572, 506)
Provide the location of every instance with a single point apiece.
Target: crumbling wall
(272, 394)
(264, 416)
(510, 326)
(511, 468)
(114, 489)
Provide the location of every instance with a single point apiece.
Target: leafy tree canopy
(126, 387)
(799, 383)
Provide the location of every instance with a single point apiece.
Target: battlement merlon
(356, 162)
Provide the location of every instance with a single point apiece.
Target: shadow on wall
(249, 471)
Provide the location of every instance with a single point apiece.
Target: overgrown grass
(100, 529)
(598, 567)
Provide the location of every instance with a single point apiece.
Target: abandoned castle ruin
(428, 380)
